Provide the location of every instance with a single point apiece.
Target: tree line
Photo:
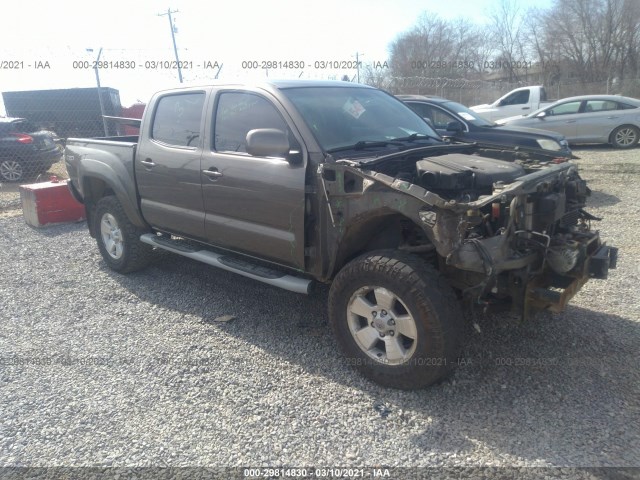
(584, 40)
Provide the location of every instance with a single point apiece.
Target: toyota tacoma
(296, 182)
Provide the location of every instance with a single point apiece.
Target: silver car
(588, 119)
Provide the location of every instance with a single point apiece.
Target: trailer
(70, 112)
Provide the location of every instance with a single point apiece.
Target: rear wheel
(626, 136)
(396, 320)
(118, 238)
(11, 170)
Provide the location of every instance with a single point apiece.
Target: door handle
(525, 108)
(570, 121)
(612, 117)
(212, 173)
(147, 162)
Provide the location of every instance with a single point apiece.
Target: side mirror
(267, 142)
(454, 127)
(541, 115)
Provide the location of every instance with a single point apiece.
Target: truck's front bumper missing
(554, 291)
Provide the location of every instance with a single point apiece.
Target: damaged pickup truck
(293, 182)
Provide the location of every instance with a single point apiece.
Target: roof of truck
(277, 84)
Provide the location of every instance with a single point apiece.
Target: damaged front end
(531, 242)
(506, 234)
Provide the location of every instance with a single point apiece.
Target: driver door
(254, 205)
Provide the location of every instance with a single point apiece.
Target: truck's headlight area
(549, 144)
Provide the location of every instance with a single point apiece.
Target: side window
(565, 108)
(626, 106)
(421, 109)
(177, 119)
(439, 118)
(442, 118)
(516, 98)
(600, 106)
(238, 113)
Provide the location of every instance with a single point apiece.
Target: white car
(588, 119)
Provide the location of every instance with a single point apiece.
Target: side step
(232, 264)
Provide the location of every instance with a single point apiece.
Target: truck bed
(113, 154)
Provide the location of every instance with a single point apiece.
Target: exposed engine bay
(505, 232)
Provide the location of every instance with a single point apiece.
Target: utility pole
(104, 120)
(358, 65)
(173, 38)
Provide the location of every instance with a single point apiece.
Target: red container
(48, 203)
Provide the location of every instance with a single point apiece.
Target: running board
(232, 264)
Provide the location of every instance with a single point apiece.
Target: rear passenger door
(597, 121)
(167, 164)
(254, 205)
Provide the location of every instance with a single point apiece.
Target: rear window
(177, 119)
(22, 126)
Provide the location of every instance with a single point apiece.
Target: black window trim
(202, 117)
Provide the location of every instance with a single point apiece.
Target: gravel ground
(100, 369)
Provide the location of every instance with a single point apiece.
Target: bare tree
(435, 47)
(594, 38)
(587, 40)
(508, 37)
(376, 75)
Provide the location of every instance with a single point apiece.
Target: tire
(118, 239)
(414, 337)
(625, 136)
(11, 170)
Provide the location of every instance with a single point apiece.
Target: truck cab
(520, 101)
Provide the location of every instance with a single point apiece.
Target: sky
(54, 48)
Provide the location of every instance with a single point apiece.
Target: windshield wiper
(362, 144)
(415, 136)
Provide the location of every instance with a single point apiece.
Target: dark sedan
(461, 124)
(25, 150)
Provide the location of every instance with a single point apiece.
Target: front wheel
(119, 239)
(626, 136)
(396, 320)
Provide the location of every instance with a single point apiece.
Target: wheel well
(94, 189)
(381, 232)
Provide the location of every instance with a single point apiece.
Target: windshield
(341, 117)
(469, 115)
